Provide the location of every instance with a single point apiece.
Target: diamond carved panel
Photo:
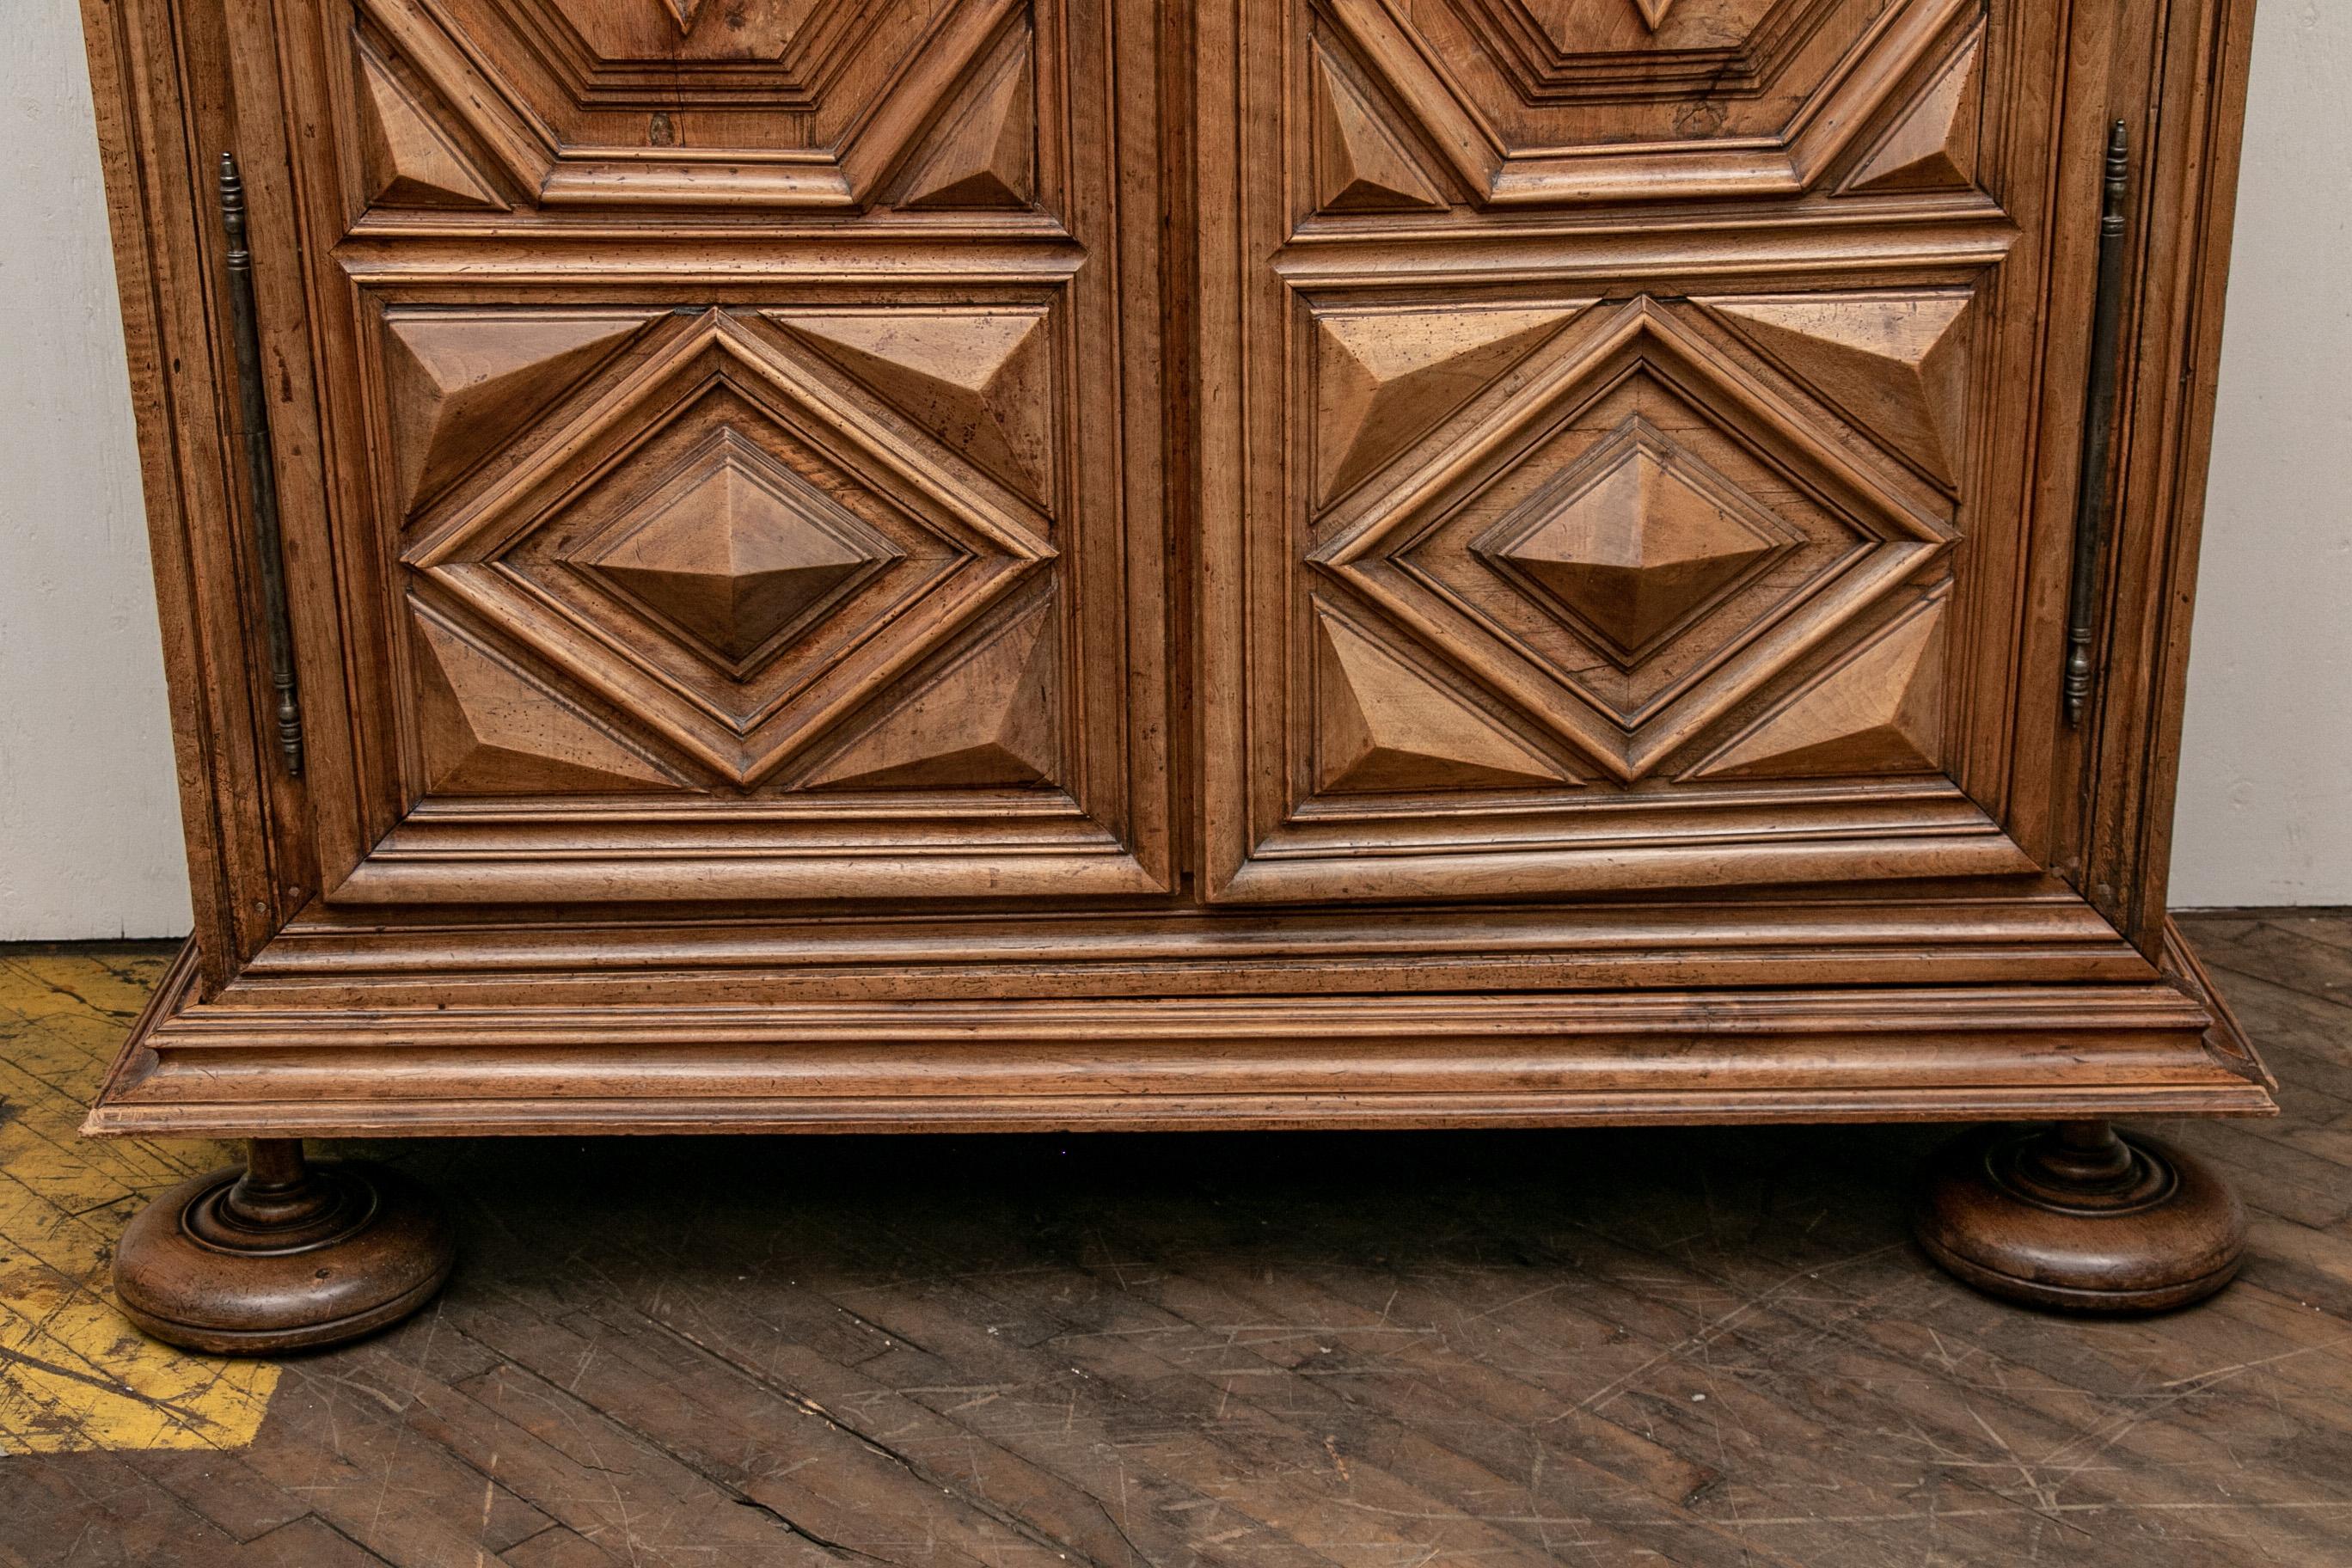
(727, 553)
(1634, 540)
(736, 551)
(682, 102)
(1556, 47)
(1565, 100)
(1637, 538)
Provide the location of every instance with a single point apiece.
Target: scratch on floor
(74, 1375)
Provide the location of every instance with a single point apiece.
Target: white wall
(2265, 812)
(89, 836)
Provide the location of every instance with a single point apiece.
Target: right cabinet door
(1619, 424)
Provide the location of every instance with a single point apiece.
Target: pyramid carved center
(738, 552)
(1632, 542)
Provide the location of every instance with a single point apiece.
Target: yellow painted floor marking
(73, 1374)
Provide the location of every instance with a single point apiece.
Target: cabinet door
(1620, 421)
(736, 486)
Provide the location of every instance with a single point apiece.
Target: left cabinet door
(740, 436)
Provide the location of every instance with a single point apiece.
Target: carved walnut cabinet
(759, 564)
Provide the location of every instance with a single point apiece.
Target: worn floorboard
(1683, 1346)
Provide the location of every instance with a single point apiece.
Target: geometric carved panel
(1382, 724)
(1579, 452)
(1360, 164)
(1633, 541)
(1894, 363)
(462, 383)
(408, 159)
(985, 154)
(707, 368)
(727, 469)
(738, 550)
(990, 720)
(782, 103)
(1382, 378)
(727, 552)
(980, 380)
(1933, 144)
(490, 729)
(1878, 709)
(1554, 100)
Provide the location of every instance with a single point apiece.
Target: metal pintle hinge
(2091, 492)
(260, 468)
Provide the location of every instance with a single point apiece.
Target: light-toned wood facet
(724, 400)
(1385, 725)
(1540, 102)
(994, 562)
(1646, 427)
(462, 383)
(1878, 710)
(739, 551)
(1932, 144)
(1384, 378)
(985, 153)
(410, 160)
(629, 103)
(1897, 364)
(1361, 162)
(978, 379)
(990, 718)
(610, 34)
(1634, 540)
(490, 729)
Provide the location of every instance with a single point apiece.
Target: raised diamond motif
(1635, 541)
(727, 556)
(738, 552)
(801, 103)
(1716, 98)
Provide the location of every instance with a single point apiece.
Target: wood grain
(1714, 1346)
(1043, 562)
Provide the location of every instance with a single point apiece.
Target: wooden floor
(1692, 1347)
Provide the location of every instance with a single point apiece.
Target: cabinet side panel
(153, 130)
(2189, 117)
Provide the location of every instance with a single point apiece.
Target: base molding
(248, 1064)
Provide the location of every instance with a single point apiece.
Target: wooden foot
(281, 1256)
(2078, 1217)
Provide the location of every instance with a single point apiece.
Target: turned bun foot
(2078, 1217)
(281, 1256)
